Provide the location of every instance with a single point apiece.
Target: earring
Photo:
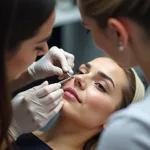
(120, 46)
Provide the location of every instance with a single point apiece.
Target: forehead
(105, 64)
(47, 26)
(111, 69)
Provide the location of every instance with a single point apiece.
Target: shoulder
(137, 113)
(124, 135)
(30, 141)
(126, 129)
(38, 133)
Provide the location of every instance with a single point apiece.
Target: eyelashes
(99, 86)
(78, 72)
(39, 48)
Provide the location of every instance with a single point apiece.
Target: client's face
(94, 93)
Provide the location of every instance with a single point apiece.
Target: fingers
(63, 61)
(47, 90)
(54, 104)
(41, 120)
(61, 77)
(51, 98)
(58, 71)
(70, 58)
(66, 59)
(45, 83)
(44, 109)
(55, 111)
(64, 75)
(57, 54)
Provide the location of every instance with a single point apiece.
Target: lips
(73, 93)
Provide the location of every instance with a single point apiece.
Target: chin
(17, 76)
(67, 108)
(12, 78)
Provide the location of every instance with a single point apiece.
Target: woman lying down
(99, 88)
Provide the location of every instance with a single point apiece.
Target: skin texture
(78, 122)
(98, 96)
(27, 52)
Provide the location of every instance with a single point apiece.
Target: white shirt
(128, 129)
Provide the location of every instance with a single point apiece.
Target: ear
(120, 30)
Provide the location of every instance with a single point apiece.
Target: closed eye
(39, 49)
(79, 72)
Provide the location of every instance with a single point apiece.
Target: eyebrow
(106, 77)
(102, 74)
(44, 39)
(88, 65)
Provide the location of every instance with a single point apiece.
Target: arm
(54, 62)
(125, 134)
(23, 80)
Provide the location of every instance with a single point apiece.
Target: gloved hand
(55, 62)
(34, 108)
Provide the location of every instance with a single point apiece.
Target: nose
(80, 81)
(45, 48)
(44, 51)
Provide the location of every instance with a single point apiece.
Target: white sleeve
(126, 134)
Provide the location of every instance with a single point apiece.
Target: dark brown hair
(5, 105)
(128, 93)
(102, 10)
(20, 20)
(28, 17)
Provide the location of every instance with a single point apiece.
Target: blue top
(30, 142)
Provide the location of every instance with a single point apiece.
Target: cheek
(26, 62)
(23, 60)
(26, 59)
(99, 106)
(99, 40)
(98, 101)
(108, 46)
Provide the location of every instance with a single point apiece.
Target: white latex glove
(55, 62)
(34, 108)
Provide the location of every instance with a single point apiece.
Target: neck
(146, 71)
(141, 48)
(143, 57)
(67, 135)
